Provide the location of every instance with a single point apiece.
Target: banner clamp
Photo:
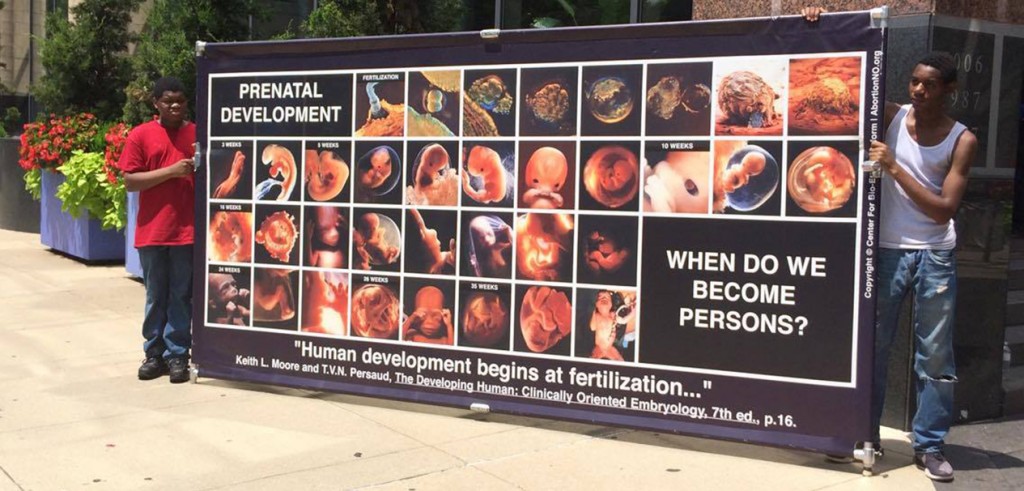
(880, 17)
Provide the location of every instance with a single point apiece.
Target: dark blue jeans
(167, 325)
(931, 275)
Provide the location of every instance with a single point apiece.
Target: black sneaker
(152, 368)
(178, 368)
(934, 465)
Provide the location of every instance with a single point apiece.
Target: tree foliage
(347, 18)
(167, 45)
(86, 60)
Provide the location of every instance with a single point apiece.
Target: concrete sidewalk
(73, 415)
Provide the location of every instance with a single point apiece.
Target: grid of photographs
(501, 208)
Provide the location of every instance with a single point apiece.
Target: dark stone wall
(18, 211)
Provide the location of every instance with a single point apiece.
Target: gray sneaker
(934, 465)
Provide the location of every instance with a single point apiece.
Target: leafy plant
(86, 60)
(33, 182)
(87, 188)
(86, 152)
(167, 45)
(347, 18)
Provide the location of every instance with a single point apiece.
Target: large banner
(658, 226)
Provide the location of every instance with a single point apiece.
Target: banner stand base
(867, 456)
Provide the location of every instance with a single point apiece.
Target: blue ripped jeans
(931, 276)
(167, 325)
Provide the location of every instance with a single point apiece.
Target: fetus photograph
(325, 302)
(231, 170)
(677, 181)
(430, 245)
(821, 179)
(746, 177)
(487, 245)
(376, 239)
(375, 308)
(544, 247)
(229, 301)
(434, 98)
(749, 96)
(230, 234)
(433, 175)
(678, 99)
(485, 315)
(606, 324)
(428, 312)
(824, 96)
(378, 172)
(608, 250)
(488, 103)
(544, 320)
(547, 175)
(380, 104)
(277, 234)
(327, 234)
(278, 173)
(550, 97)
(488, 174)
(612, 96)
(274, 298)
(610, 176)
(327, 171)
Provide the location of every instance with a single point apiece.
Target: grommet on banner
(490, 37)
(480, 407)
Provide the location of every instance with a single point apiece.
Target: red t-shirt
(165, 210)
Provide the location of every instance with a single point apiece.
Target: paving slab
(73, 415)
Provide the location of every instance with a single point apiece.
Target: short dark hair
(167, 84)
(943, 63)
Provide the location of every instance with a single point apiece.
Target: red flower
(49, 143)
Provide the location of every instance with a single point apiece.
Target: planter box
(132, 264)
(78, 237)
(18, 211)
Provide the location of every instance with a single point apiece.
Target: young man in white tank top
(925, 158)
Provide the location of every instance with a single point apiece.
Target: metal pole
(499, 6)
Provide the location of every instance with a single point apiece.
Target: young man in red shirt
(157, 162)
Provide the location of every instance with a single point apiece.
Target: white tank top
(903, 224)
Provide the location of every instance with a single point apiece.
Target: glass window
(279, 15)
(665, 10)
(54, 5)
(563, 13)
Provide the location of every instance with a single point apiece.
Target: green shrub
(86, 61)
(87, 188)
(167, 46)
